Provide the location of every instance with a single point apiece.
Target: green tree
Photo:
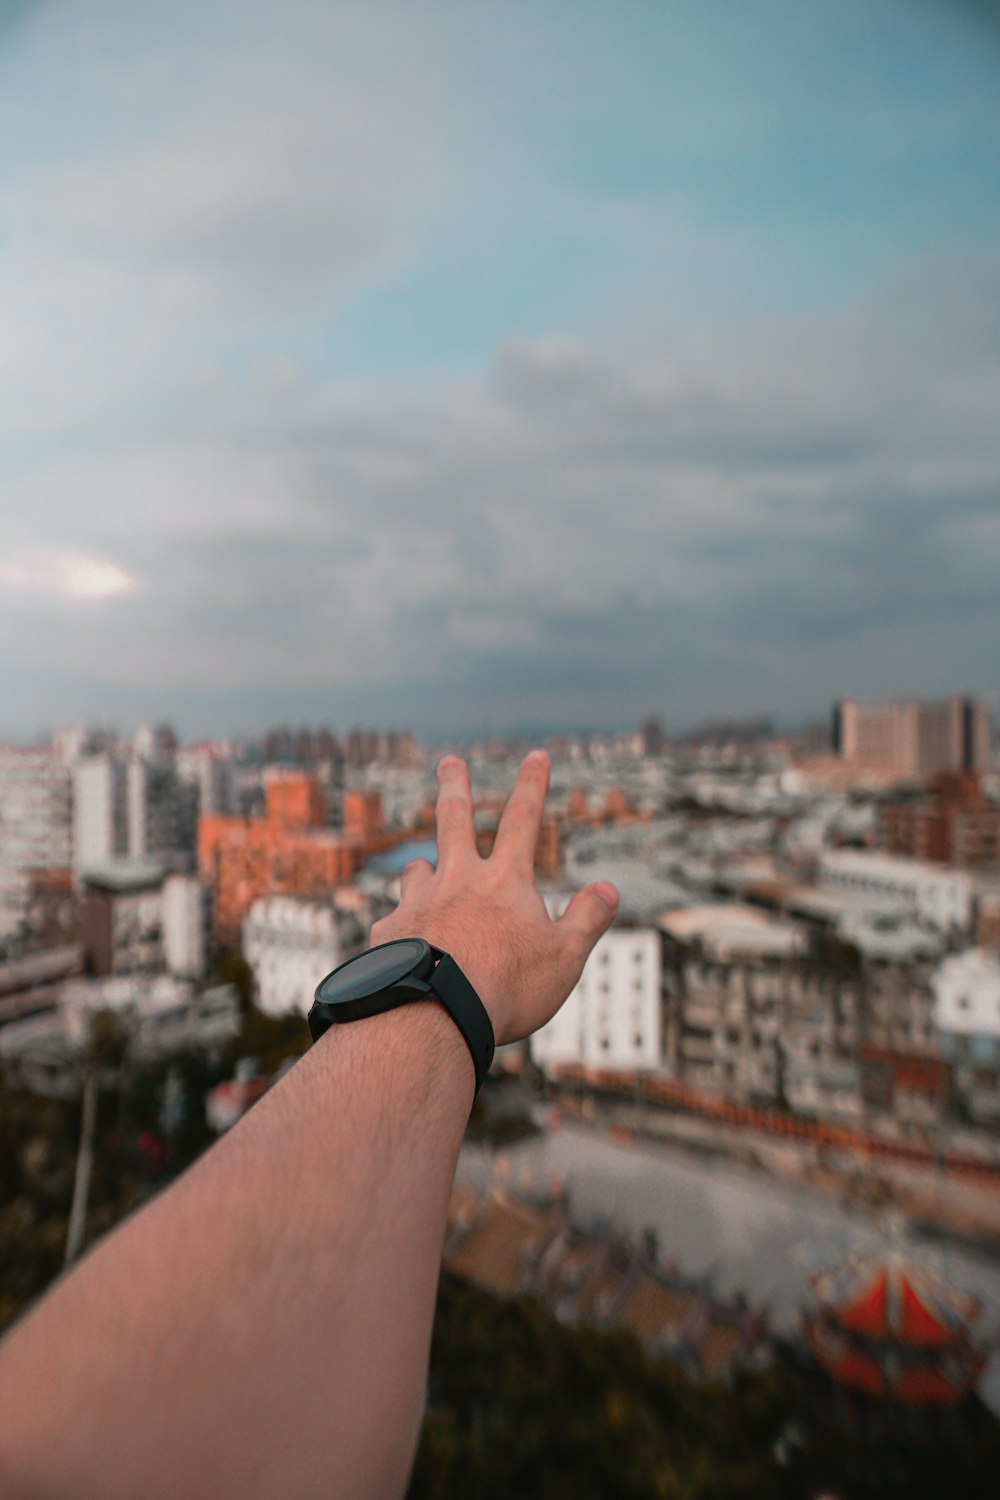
(232, 968)
(104, 1045)
(521, 1405)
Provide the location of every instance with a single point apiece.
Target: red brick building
(289, 851)
(953, 823)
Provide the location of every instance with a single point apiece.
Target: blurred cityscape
(764, 1126)
(485, 370)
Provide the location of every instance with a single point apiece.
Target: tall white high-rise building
(184, 926)
(131, 802)
(100, 825)
(613, 1017)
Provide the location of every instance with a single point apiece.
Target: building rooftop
(655, 1312)
(730, 930)
(902, 943)
(872, 862)
(495, 1249)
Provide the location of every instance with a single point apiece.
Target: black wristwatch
(393, 974)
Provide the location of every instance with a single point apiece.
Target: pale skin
(262, 1328)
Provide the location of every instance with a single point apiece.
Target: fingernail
(449, 763)
(536, 758)
(608, 894)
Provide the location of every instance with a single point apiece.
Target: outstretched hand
(487, 913)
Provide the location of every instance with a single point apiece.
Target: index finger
(517, 836)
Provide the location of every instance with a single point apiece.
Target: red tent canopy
(867, 1311)
(893, 1301)
(887, 1328)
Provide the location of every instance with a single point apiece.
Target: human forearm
(278, 1300)
(262, 1328)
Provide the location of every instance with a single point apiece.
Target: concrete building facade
(291, 943)
(967, 1014)
(139, 918)
(967, 1004)
(935, 895)
(203, 768)
(35, 827)
(185, 926)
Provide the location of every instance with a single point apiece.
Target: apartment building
(937, 896)
(756, 1012)
(291, 943)
(954, 823)
(966, 990)
(137, 917)
(132, 801)
(35, 828)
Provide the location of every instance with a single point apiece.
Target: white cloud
(281, 200)
(227, 225)
(77, 576)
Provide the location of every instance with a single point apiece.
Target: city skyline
(755, 726)
(471, 371)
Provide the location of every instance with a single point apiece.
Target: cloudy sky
(473, 365)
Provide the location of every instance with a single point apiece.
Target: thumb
(589, 914)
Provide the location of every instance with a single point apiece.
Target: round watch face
(372, 971)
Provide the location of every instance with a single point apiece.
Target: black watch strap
(467, 1011)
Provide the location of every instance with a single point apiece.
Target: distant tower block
(912, 738)
(651, 736)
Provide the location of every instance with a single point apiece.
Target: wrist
(402, 971)
(493, 994)
(414, 1055)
